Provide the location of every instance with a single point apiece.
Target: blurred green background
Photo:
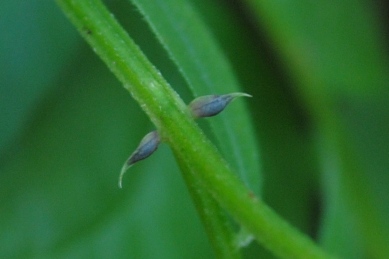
(318, 72)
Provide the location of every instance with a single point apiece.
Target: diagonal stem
(178, 129)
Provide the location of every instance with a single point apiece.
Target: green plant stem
(214, 218)
(178, 129)
(202, 63)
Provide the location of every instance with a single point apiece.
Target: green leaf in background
(319, 77)
(59, 196)
(330, 46)
(289, 164)
(24, 44)
(59, 191)
(334, 53)
(207, 71)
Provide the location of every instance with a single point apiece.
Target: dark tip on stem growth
(211, 105)
(146, 147)
(204, 106)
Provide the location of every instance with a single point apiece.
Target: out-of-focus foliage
(67, 126)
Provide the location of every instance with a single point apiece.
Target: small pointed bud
(211, 105)
(243, 238)
(146, 147)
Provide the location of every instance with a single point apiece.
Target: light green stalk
(178, 129)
